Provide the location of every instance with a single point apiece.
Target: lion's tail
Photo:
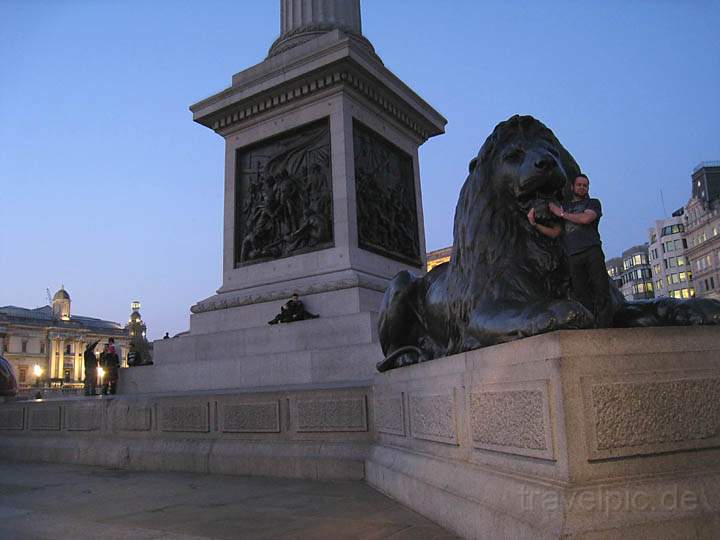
(389, 361)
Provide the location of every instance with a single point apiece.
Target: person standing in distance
(581, 239)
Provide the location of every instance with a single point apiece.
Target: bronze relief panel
(386, 204)
(283, 195)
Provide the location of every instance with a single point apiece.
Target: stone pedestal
(593, 434)
(574, 434)
(322, 197)
(313, 433)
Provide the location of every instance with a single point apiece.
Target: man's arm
(583, 218)
(550, 232)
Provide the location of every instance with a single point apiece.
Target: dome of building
(61, 295)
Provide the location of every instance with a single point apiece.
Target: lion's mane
(497, 256)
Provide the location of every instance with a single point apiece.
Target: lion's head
(522, 160)
(505, 279)
(496, 253)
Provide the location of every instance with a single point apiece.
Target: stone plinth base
(315, 351)
(575, 434)
(593, 434)
(312, 433)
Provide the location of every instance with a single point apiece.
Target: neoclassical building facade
(47, 343)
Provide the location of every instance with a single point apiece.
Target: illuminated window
(681, 261)
(658, 284)
(433, 263)
(22, 374)
(683, 276)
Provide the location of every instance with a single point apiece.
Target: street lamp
(101, 374)
(37, 371)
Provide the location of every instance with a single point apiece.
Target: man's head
(581, 186)
(111, 340)
(295, 297)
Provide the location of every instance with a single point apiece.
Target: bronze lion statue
(505, 280)
(8, 384)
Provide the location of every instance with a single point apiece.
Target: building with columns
(438, 257)
(671, 270)
(702, 229)
(47, 343)
(636, 278)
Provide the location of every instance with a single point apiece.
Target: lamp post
(37, 371)
(101, 374)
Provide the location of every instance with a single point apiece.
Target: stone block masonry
(574, 434)
(311, 433)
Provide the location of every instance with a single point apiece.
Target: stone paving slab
(50, 501)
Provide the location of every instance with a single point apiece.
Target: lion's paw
(557, 315)
(694, 312)
(570, 314)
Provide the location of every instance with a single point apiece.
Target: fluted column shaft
(297, 14)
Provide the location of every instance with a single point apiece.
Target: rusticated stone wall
(651, 413)
(315, 411)
(574, 434)
(313, 433)
(563, 406)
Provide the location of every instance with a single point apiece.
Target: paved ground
(42, 501)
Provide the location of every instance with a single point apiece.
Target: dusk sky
(110, 188)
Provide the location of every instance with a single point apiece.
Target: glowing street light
(37, 371)
(101, 374)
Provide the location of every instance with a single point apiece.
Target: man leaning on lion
(506, 279)
(580, 218)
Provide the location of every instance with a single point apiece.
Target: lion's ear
(472, 165)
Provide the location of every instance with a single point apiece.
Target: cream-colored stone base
(577, 434)
(341, 349)
(307, 432)
(584, 434)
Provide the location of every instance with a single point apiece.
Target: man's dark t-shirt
(578, 238)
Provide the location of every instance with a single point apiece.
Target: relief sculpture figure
(505, 280)
(284, 203)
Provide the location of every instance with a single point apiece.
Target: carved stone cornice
(230, 301)
(244, 111)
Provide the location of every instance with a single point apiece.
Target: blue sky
(109, 187)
